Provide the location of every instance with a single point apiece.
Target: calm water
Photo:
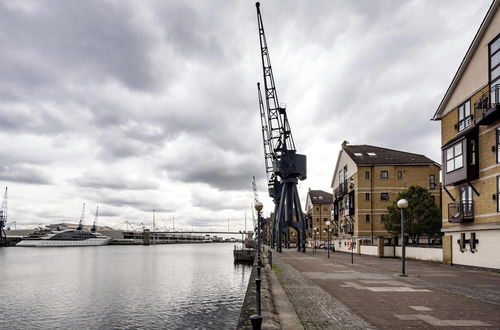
(193, 286)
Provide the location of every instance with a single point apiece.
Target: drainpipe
(371, 202)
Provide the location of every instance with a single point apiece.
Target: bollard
(256, 322)
(257, 295)
(270, 258)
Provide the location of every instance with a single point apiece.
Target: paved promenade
(369, 294)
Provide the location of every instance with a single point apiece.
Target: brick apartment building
(318, 212)
(367, 179)
(470, 137)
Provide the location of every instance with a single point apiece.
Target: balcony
(487, 108)
(462, 211)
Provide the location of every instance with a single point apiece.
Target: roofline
(406, 152)
(399, 164)
(475, 42)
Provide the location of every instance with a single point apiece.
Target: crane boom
(94, 226)
(3, 208)
(280, 135)
(3, 219)
(268, 151)
(82, 218)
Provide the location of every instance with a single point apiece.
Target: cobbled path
(315, 307)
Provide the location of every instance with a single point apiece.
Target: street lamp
(402, 204)
(328, 223)
(256, 320)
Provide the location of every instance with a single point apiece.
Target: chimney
(345, 143)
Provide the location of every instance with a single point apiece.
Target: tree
(421, 217)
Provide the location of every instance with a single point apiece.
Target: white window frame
(464, 116)
(454, 156)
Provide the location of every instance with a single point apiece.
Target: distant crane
(281, 158)
(3, 219)
(94, 226)
(82, 218)
(10, 224)
(255, 200)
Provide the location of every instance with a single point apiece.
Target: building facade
(470, 138)
(318, 211)
(367, 179)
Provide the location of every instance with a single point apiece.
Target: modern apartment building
(367, 179)
(318, 210)
(470, 137)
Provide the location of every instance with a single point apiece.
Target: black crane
(3, 219)
(284, 167)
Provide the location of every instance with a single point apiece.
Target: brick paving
(333, 294)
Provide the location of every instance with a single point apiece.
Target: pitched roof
(465, 61)
(320, 197)
(371, 155)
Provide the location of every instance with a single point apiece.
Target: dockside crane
(280, 154)
(82, 218)
(94, 225)
(3, 219)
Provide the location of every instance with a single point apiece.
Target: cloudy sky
(142, 105)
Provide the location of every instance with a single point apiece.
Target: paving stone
(315, 307)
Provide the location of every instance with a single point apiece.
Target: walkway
(335, 294)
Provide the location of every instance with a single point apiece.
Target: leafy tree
(421, 217)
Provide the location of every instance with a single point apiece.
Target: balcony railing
(487, 108)
(462, 211)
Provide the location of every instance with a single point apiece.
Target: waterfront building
(367, 179)
(318, 203)
(470, 142)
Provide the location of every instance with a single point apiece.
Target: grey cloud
(202, 163)
(115, 181)
(23, 174)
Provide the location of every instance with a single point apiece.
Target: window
(400, 174)
(466, 198)
(472, 152)
(454, 157)
(384, 196)
(371, 154)
(367, 196)
(383, 217)
(498, 193)
(358, 154)
(384, 174)
(464, 117)
(317, 208)
(367, 175)
(432, 181)
(367, 218)
(494, 64)
(433, 199)
(498, 145)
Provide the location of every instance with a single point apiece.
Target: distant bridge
(204, 232)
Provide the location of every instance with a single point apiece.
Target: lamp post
(328, 223)
(314, 240)
(256, 319)
(402, 204)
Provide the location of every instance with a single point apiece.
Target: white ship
(67, 237)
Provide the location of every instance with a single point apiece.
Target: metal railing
(487, 103)
(461, 211)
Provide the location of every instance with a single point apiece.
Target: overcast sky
(142, 105)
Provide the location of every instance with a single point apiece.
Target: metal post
(402, 244)
(328, 246)
(256, 319)
(352, 251)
